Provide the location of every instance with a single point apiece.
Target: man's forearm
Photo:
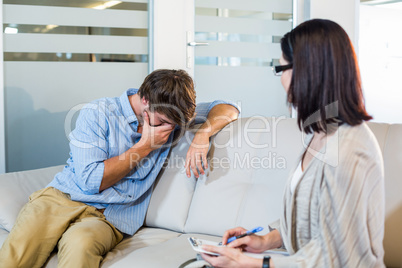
(219, 116)
(119, 166)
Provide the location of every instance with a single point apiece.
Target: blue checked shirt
(106, 128)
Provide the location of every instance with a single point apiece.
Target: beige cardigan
(335, 218)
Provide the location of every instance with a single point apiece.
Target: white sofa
(249, 164)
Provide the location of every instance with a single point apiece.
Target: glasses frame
(278, 69)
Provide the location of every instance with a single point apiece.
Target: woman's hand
(229, 257)
(250, 243)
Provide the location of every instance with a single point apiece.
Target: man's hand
(218, 117)
(197, 154)
(154, 137)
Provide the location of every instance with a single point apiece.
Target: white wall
(301, 8)
(381, 62)
(343, 12)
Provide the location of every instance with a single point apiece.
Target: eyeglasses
(278, 69)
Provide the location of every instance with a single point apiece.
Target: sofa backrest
(16, 187)
(173, 191)
(249, 163)
(389, 137)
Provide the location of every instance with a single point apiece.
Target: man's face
(157, 119)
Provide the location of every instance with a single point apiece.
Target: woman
(334, 201)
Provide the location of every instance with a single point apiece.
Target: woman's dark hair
(325, 87)
(170, 92)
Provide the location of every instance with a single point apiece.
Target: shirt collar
(126, 106)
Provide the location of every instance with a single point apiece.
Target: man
(116, 151)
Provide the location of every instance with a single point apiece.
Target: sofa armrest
(16, 187)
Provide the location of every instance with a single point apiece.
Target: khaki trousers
(81, 233)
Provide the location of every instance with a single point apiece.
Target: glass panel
(283, 6)
(254, 26)
(58, 56)
(243, 41)
(228, 37)
(44, 43)
(240, 49)
(232, 61)
(74, 57)
(252, 87)
(56, 29)
(73, 16)
(82, 3)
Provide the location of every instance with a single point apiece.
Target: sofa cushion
(3, 236)
(250, 162)
(392, 155)
(15, 188)
(168, 254)
(171, 253)
(173, 191)
(145, 237)
(380, 131)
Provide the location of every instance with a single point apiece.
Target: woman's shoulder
(348, 143)
(357, 138)
(354, 156)
(358, 146)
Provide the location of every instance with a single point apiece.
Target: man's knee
(88, 238)
(78, 247)
(77, 238)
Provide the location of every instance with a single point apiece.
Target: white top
(296, 177)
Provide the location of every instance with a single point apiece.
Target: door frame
(171, 20)
(2, 106)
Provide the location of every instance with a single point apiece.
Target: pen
(255, 230)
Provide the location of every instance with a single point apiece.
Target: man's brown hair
(170, 92)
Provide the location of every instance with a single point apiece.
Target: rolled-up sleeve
(89, 148)
(203, 108)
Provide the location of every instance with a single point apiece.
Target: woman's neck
(318, 141)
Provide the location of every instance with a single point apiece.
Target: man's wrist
(203, 133)
(140, 149)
